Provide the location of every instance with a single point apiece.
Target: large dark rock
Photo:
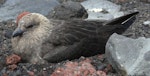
(68, 10)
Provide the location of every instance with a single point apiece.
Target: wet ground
(99, 62)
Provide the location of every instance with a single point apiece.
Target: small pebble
(8, 33)
(101, 67)
(35, 70)
(44, 69)
(31, 73)
(146, 23)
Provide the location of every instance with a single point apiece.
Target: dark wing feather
(92, 36)
(69, 32)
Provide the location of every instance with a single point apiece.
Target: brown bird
(38, 39)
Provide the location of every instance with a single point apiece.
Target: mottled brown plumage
(38, 39)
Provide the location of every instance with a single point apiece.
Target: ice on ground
(102, 9)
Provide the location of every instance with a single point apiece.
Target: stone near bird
(68, 10)
(38, 39)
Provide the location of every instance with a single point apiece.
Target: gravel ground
(138, 29)
(97, 62)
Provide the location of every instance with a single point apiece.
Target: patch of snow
(146, 23)
(95, 9)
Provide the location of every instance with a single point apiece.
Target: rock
(68, 10)
(83, 68)
(102, 9)
(13, 59)
(146, 1)
(146, 23)
(61, 1)
(8, 33)
(129, 56)
(2, 1)
(11, 8)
